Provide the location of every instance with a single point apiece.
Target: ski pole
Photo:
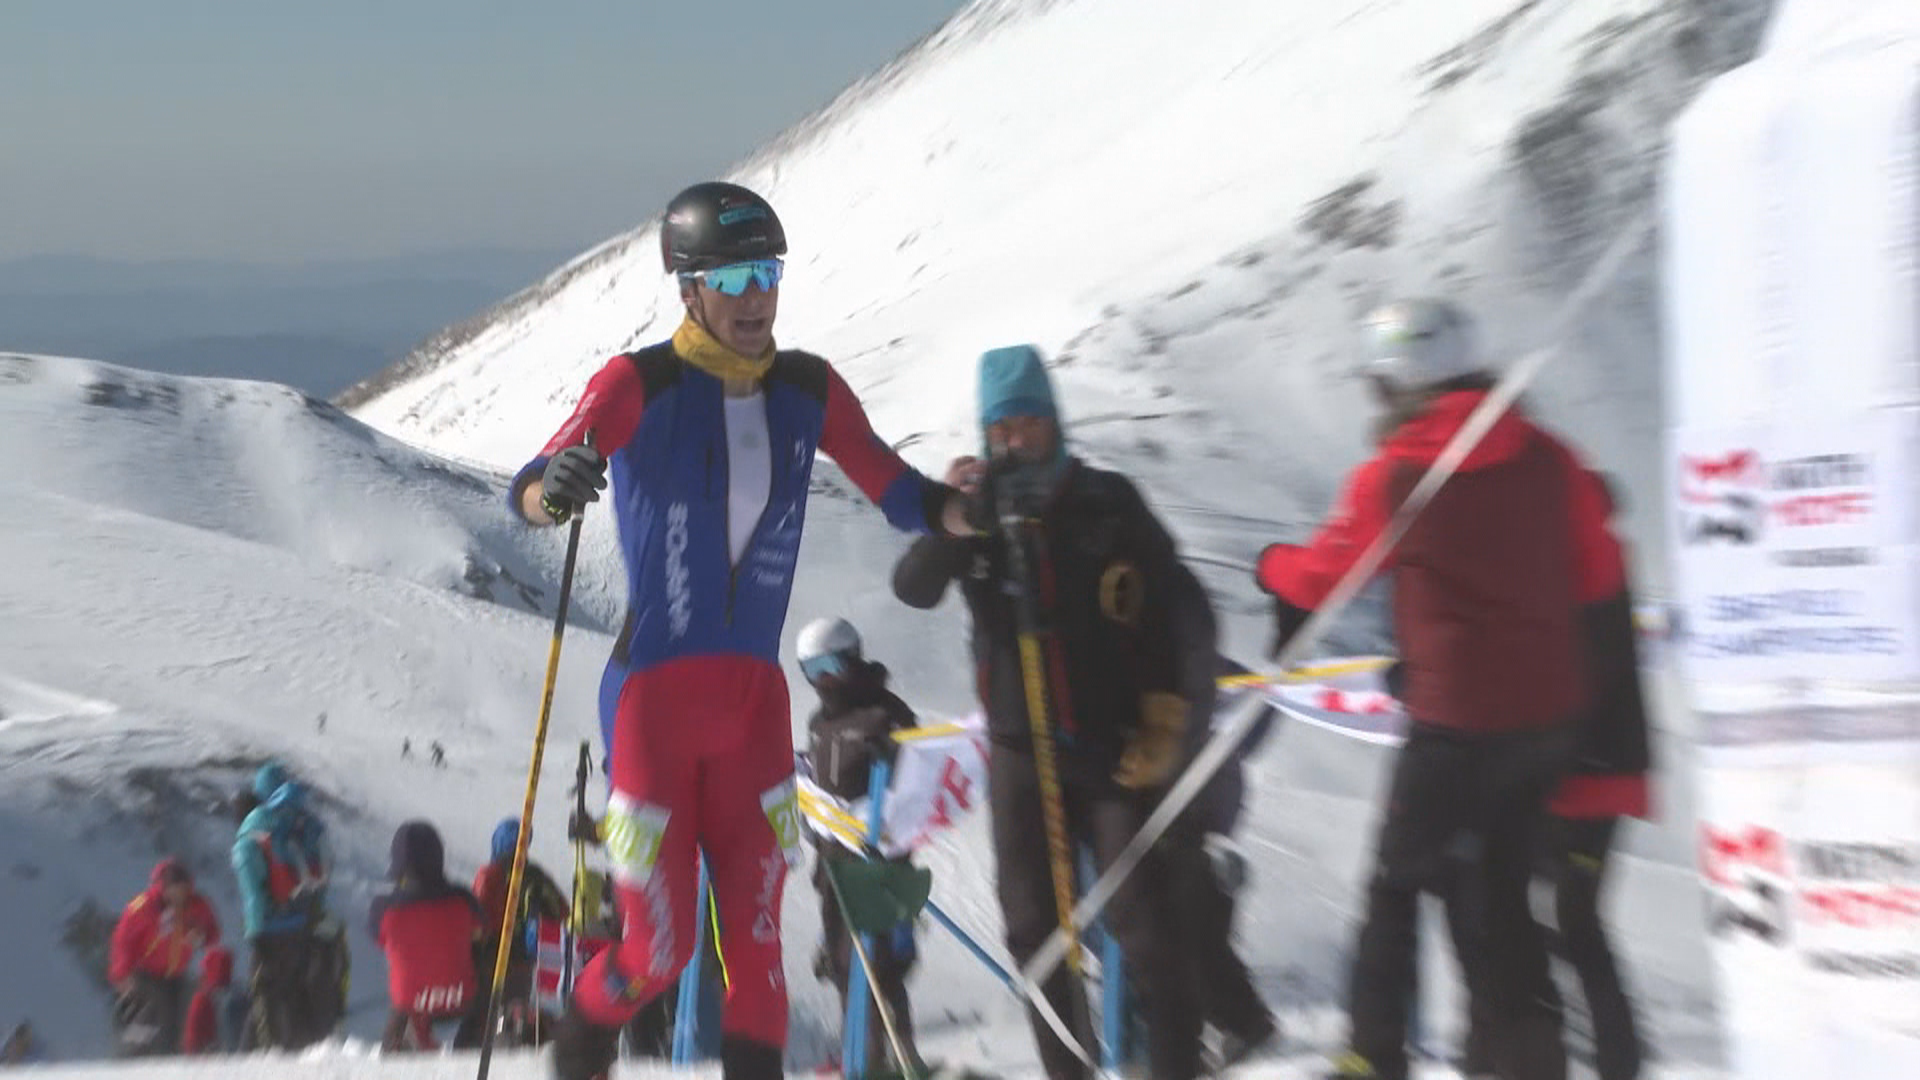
(518, 874)
(1033, 671)
(1225, 738)
(576, 917)
(900, 1056)
(1053, 812)
(966, 940)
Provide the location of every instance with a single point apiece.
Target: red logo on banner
(1735, 466)
(1723, 851)
(956, 791)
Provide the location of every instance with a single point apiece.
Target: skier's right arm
(921, 576)
(568, 474)
(1299, 578)
(250, 870)
(126, 944)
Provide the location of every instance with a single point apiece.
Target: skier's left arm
(911, 501)
(1178, 631)
(1176, 605)
(1299, 578)
(1599, 568)
(1612, 752)
(320, 850)
(129, 941)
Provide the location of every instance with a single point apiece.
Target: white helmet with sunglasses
(827, 647)
(1416, 345)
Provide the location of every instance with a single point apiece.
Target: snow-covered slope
(199, 572)
(159, 644)
(1186, 205)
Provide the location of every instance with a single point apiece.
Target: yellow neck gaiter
(704, 351)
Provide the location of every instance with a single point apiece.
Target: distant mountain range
(317, 326)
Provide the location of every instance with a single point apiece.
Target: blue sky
(287, 130)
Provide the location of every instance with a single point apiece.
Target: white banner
(1791, 281)
(1347, 695)
(1810, 854)
(1791, 544)
(939, 776)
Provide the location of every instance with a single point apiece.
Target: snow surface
(169, 630)
(1183, 203)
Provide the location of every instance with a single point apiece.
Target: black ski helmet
(717, 223)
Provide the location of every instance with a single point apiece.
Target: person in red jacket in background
(203, 1032)
(1606, 781)
(428, 927)
(153, 946)
(1498, 583)
(521, 1023)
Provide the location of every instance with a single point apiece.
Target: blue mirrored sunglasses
(817, 667)
(733, 279)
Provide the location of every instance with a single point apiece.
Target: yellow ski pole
(1050, 798)
(1033, 669)
(518, 875)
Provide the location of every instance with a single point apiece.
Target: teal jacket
(282, 862)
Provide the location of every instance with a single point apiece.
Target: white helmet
(1417, 344)
(827, 647)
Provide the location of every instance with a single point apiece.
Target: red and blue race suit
(701, 742)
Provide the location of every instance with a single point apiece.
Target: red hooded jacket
(202, 1030)
(1491, 581)
(152, 940)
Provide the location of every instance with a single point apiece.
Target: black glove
(1396, 679)
(574, 478)
(999, 491)
(980, 513)
(1287, 621)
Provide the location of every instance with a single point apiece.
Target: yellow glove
(1154, 749)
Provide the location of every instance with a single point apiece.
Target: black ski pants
(1226, 992)
(1142, 915)
(286, 1013)
(149, 1018)
(1573, 857)
(1461, 822)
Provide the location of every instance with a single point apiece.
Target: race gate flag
(550, 946)
(1345, 695)
(1792, 299)
(939, 776)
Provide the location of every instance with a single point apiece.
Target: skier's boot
(583, 1050)
(748, 1059)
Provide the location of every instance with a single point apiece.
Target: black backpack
(843, 746)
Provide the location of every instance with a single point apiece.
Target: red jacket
(1491, 578)
(429, 943)
(152, 940)
(202, 1031)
